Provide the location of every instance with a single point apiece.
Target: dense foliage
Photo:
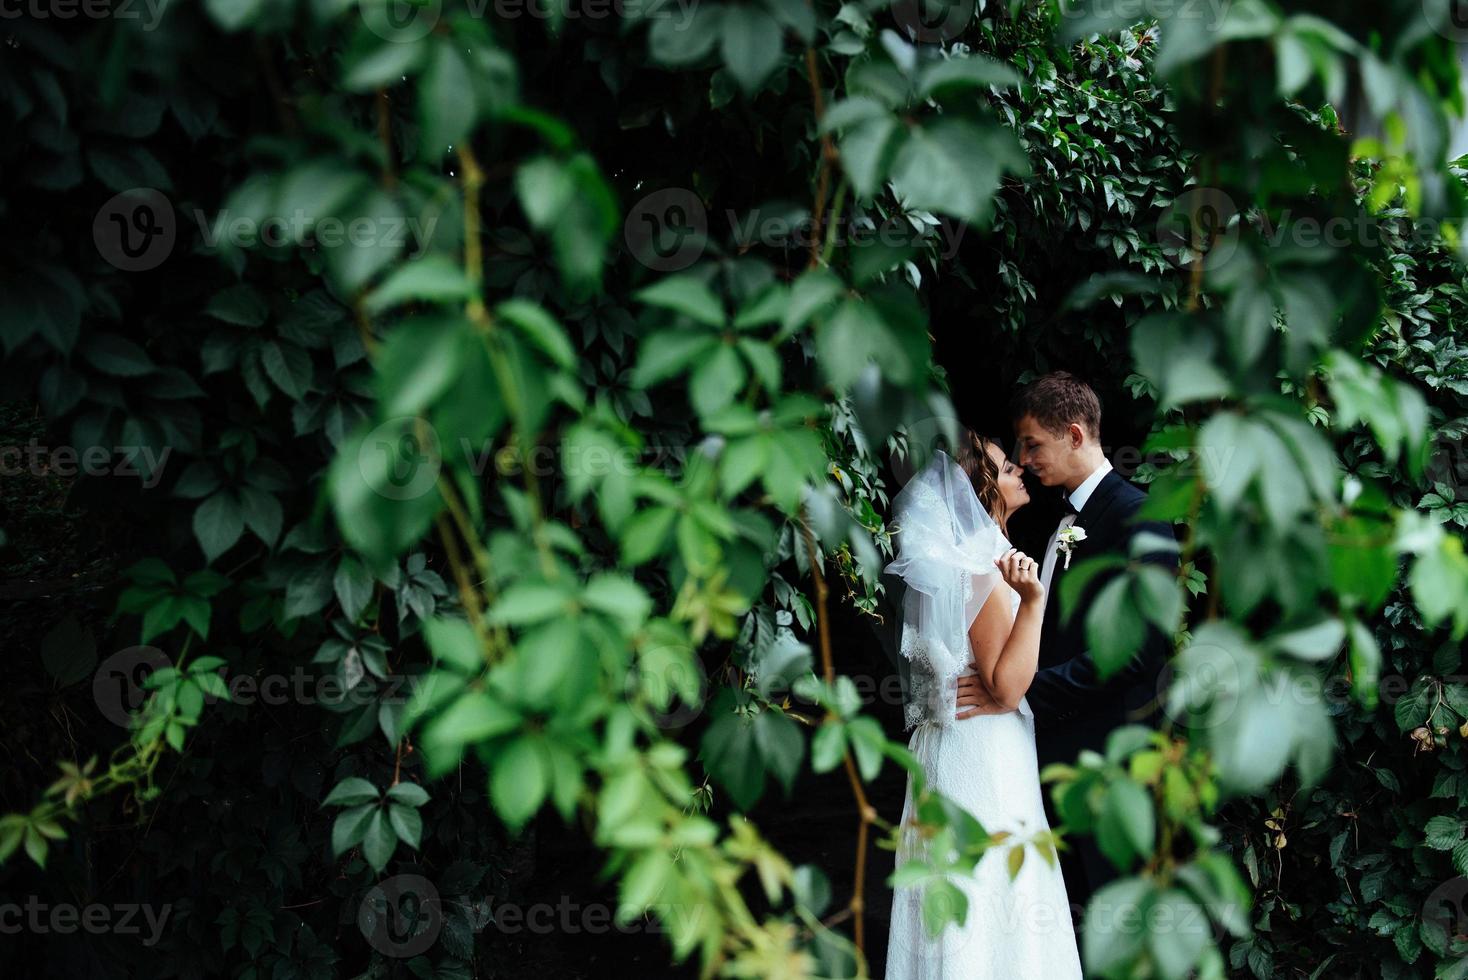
(492, 380)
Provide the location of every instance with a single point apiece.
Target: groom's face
(1045, 454)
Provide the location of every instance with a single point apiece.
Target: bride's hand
(976, 699)
(1022, 574)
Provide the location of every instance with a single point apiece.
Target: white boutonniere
(1067, 541)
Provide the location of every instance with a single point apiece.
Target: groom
(1057, 421)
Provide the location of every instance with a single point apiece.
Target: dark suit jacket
(1073, 708)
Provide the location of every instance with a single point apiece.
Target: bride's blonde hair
(972, 456)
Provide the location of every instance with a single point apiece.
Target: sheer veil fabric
(946, 544)
(1014, 930)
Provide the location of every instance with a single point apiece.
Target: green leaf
(540, 328)
(431, 279)
(353, 587)
(1176, 949)
(1443, 832)
(1177, 356)
(669, 352)
(308, 591)
(420, 361)
(406, 824)
(261, 513)
(407, 794)
(741, 462)
(867, 149)
(381, 67)
(943, 902)
(116, 355)
(1439, 579)
(526, 603)
(383, 487)
(645, 535)
(730, 755)
(355, 259)
(446, 100)
(853, 338)
(717, 380)
(752, 44)
(683, 40)
(1321, 641)
(1249, 746)
(868, 743)
(350, 826)
(780, 744)
(520, 780)
(686, 295)
(571, 201)
(812, 292)
(231, 15)
(240, 304)
(959, 73)
(544, 187)
(379, 841)
(472, 718)
(352, 791)
(1127, 825)
(1114, 627)
(453, 642)
(1230, 457)
(218, 524)
(1115, 938)
(953, 167)
(550, 659)
(618, 596)
(288, 366)
(828, 746)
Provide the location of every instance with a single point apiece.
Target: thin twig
(865, 813)
(384, 136)
(828, 156)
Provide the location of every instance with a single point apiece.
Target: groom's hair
(1056, 400)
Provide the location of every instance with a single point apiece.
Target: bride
(973, 606)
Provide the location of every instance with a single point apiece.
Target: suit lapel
(1092, 518)
(1101, 501)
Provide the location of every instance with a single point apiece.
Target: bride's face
(1011, 480)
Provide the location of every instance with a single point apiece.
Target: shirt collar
(1088, 486)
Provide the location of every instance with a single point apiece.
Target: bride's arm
(1006, 654)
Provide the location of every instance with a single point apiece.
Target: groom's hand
(974, 699)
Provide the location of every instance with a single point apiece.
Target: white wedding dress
(1019, 930)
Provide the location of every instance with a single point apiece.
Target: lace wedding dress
(1019, 930)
